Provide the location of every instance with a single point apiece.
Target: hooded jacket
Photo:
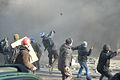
(104, 59)
(24, 58)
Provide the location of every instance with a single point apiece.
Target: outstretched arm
(113, 54)
(51, 34)
(75, 48)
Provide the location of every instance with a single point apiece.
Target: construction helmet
(31, 38)
(26, 41)
(16, 36)
(42, 34)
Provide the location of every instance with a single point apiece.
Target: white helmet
(84, 44)
(42, 34)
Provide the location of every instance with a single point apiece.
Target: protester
(50, 47)
(14, 51)
(65, 58)
(116, 76)
(37, 48)
(82, 58)
(24, 56)
(104, 61)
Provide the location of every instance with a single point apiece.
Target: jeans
(83, 65)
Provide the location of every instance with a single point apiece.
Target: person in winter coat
(5, 49)
(23, 57)
(50, 47)
(14, 51)
(82, 58)
(116, 76)
(104, 61)
(65, 58)
(37, 48)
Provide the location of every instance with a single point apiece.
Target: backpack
(48, 42)
(15, 53)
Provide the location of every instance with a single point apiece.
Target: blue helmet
(42, 34)
(31, 38)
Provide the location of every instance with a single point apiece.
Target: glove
(34, 68)
(67, 71)
(67, 68)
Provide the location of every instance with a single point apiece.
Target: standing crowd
(20, 55)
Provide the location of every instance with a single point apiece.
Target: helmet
(16, 36)
(106, 47)
(42, 34)
(26, 41)
(84, 44)
(31, 38)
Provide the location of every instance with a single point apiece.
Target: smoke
(96, 21)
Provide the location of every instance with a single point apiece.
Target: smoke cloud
(96, 21)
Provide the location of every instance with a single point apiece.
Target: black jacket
(104, 60)
(48, 42)
(82, 53)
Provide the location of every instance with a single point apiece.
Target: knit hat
(16, 37)
(69, 41)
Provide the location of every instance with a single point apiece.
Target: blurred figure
(5, 49)
(24, 57)
(14, 51)
(50, 47)
(116, 76)
(4, 45)
(37, 48)
(104, 61)
(82, 58)
(65, 58)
